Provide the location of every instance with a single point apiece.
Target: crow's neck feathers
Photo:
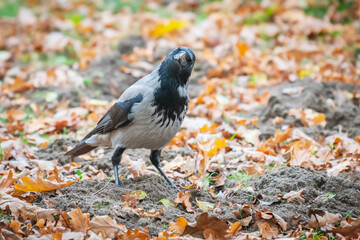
(171, 98)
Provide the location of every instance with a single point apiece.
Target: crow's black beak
(182, 57)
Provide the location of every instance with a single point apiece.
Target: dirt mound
(333, 194)
(329, 98)
(104, 197)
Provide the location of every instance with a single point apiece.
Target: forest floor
(270, 147)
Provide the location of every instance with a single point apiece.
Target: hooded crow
(147, 115)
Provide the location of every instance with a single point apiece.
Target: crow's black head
(177, 66)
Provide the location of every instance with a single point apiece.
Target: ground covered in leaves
(269, 149)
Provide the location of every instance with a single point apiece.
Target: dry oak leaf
(268, 231)
(349, 228)
(80, 222)
(319, 218)
(179, 226)
(35, 213)
(207, 226)
(7, 182)
(8, 235)
(183, 198)
(40, 184)
(295, 196)
(135, 234)
(106, 226)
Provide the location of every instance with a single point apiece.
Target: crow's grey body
(148, 114)
(145, 130)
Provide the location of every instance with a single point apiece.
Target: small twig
(100, 190)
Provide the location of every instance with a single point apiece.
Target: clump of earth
(330, 98)
(333, 194)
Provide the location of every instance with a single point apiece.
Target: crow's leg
(115, 159)
(155, 160)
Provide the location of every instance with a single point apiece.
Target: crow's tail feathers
(80, 149)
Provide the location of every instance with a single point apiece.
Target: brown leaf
(135, 234)
(295, 196)
(35, 213)
(349, 228)
(320, 218)
(39, 185)
(79, 222)
(7, 182)
(179, 226)
(267, 231)
(106, 226)
(183, 198)
(206, 225)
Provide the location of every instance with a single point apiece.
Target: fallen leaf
(179, 226)
(204, 223)
(166, 202)
(79, 222)
(349, 228)
(139, 193)
(267, 231)
(183, 198)
(7, 182)
(162, 29)
(106, 226)
(15, 225)
(295, 196)
(135, 234)
(205, 206)
(39, 185)
(319, 218)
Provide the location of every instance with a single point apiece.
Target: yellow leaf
(39, 185)
(162, 29)
(305, 73)
(220, 143)
(205, 206)
(212, 152)
(139, 193)
(320, 118)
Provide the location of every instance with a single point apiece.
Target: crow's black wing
(116, 117)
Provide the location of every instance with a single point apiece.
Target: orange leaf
(207, 129)
(235, 228)
(320, 118)
(183, 198)
(179, 226)
(7, 182)
(15, 225)
(79, 222)
(280, 137)
(56, 236)
(39, 185)
(267, 231)
(242, 48)
(18, 85)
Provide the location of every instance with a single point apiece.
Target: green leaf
(78, 172)
(166, 202)
(140, 193)
(205, 206)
